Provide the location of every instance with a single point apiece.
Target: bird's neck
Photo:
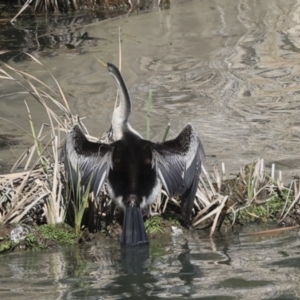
(120, 124)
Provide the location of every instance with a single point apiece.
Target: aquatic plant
(5, 246)
(78, 201)
(57, 5)
(63, 6)
(61, 233)
(154, 225)
(41, 184)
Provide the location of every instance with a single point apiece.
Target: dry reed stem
(27, 3)
(219, 210)
(208, 180)
(296, 200)
(202, 212)
(206, 217)
(52, 195)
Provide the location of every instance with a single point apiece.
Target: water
(229, 266)
(229, 67)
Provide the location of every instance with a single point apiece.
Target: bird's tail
(134, 232)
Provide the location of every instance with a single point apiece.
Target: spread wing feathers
(86, 163)
(178, 164)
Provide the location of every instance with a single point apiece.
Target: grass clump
(32, 241)
(49, 236)
(62, 233)
(37, 237)
(262, 213)
(5, 246)
(161, 223)
(154, 225)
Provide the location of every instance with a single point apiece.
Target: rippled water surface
(232, 69)
(229, 67)
(230, 266)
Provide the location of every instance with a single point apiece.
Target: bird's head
(111, 68)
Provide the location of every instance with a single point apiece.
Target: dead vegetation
(63, 6)
(39, 194)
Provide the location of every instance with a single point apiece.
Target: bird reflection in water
(134, 259)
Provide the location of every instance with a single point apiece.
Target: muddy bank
(23, 237)
(20, 237)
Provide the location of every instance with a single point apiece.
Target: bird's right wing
(86, 163)
(178, 163)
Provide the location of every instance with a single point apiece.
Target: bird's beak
(101, 61)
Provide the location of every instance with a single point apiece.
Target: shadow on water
(47, 37)
(51, 34)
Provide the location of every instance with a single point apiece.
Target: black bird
(135, 168)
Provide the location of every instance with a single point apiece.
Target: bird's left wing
(178, 164)
(86, 163)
